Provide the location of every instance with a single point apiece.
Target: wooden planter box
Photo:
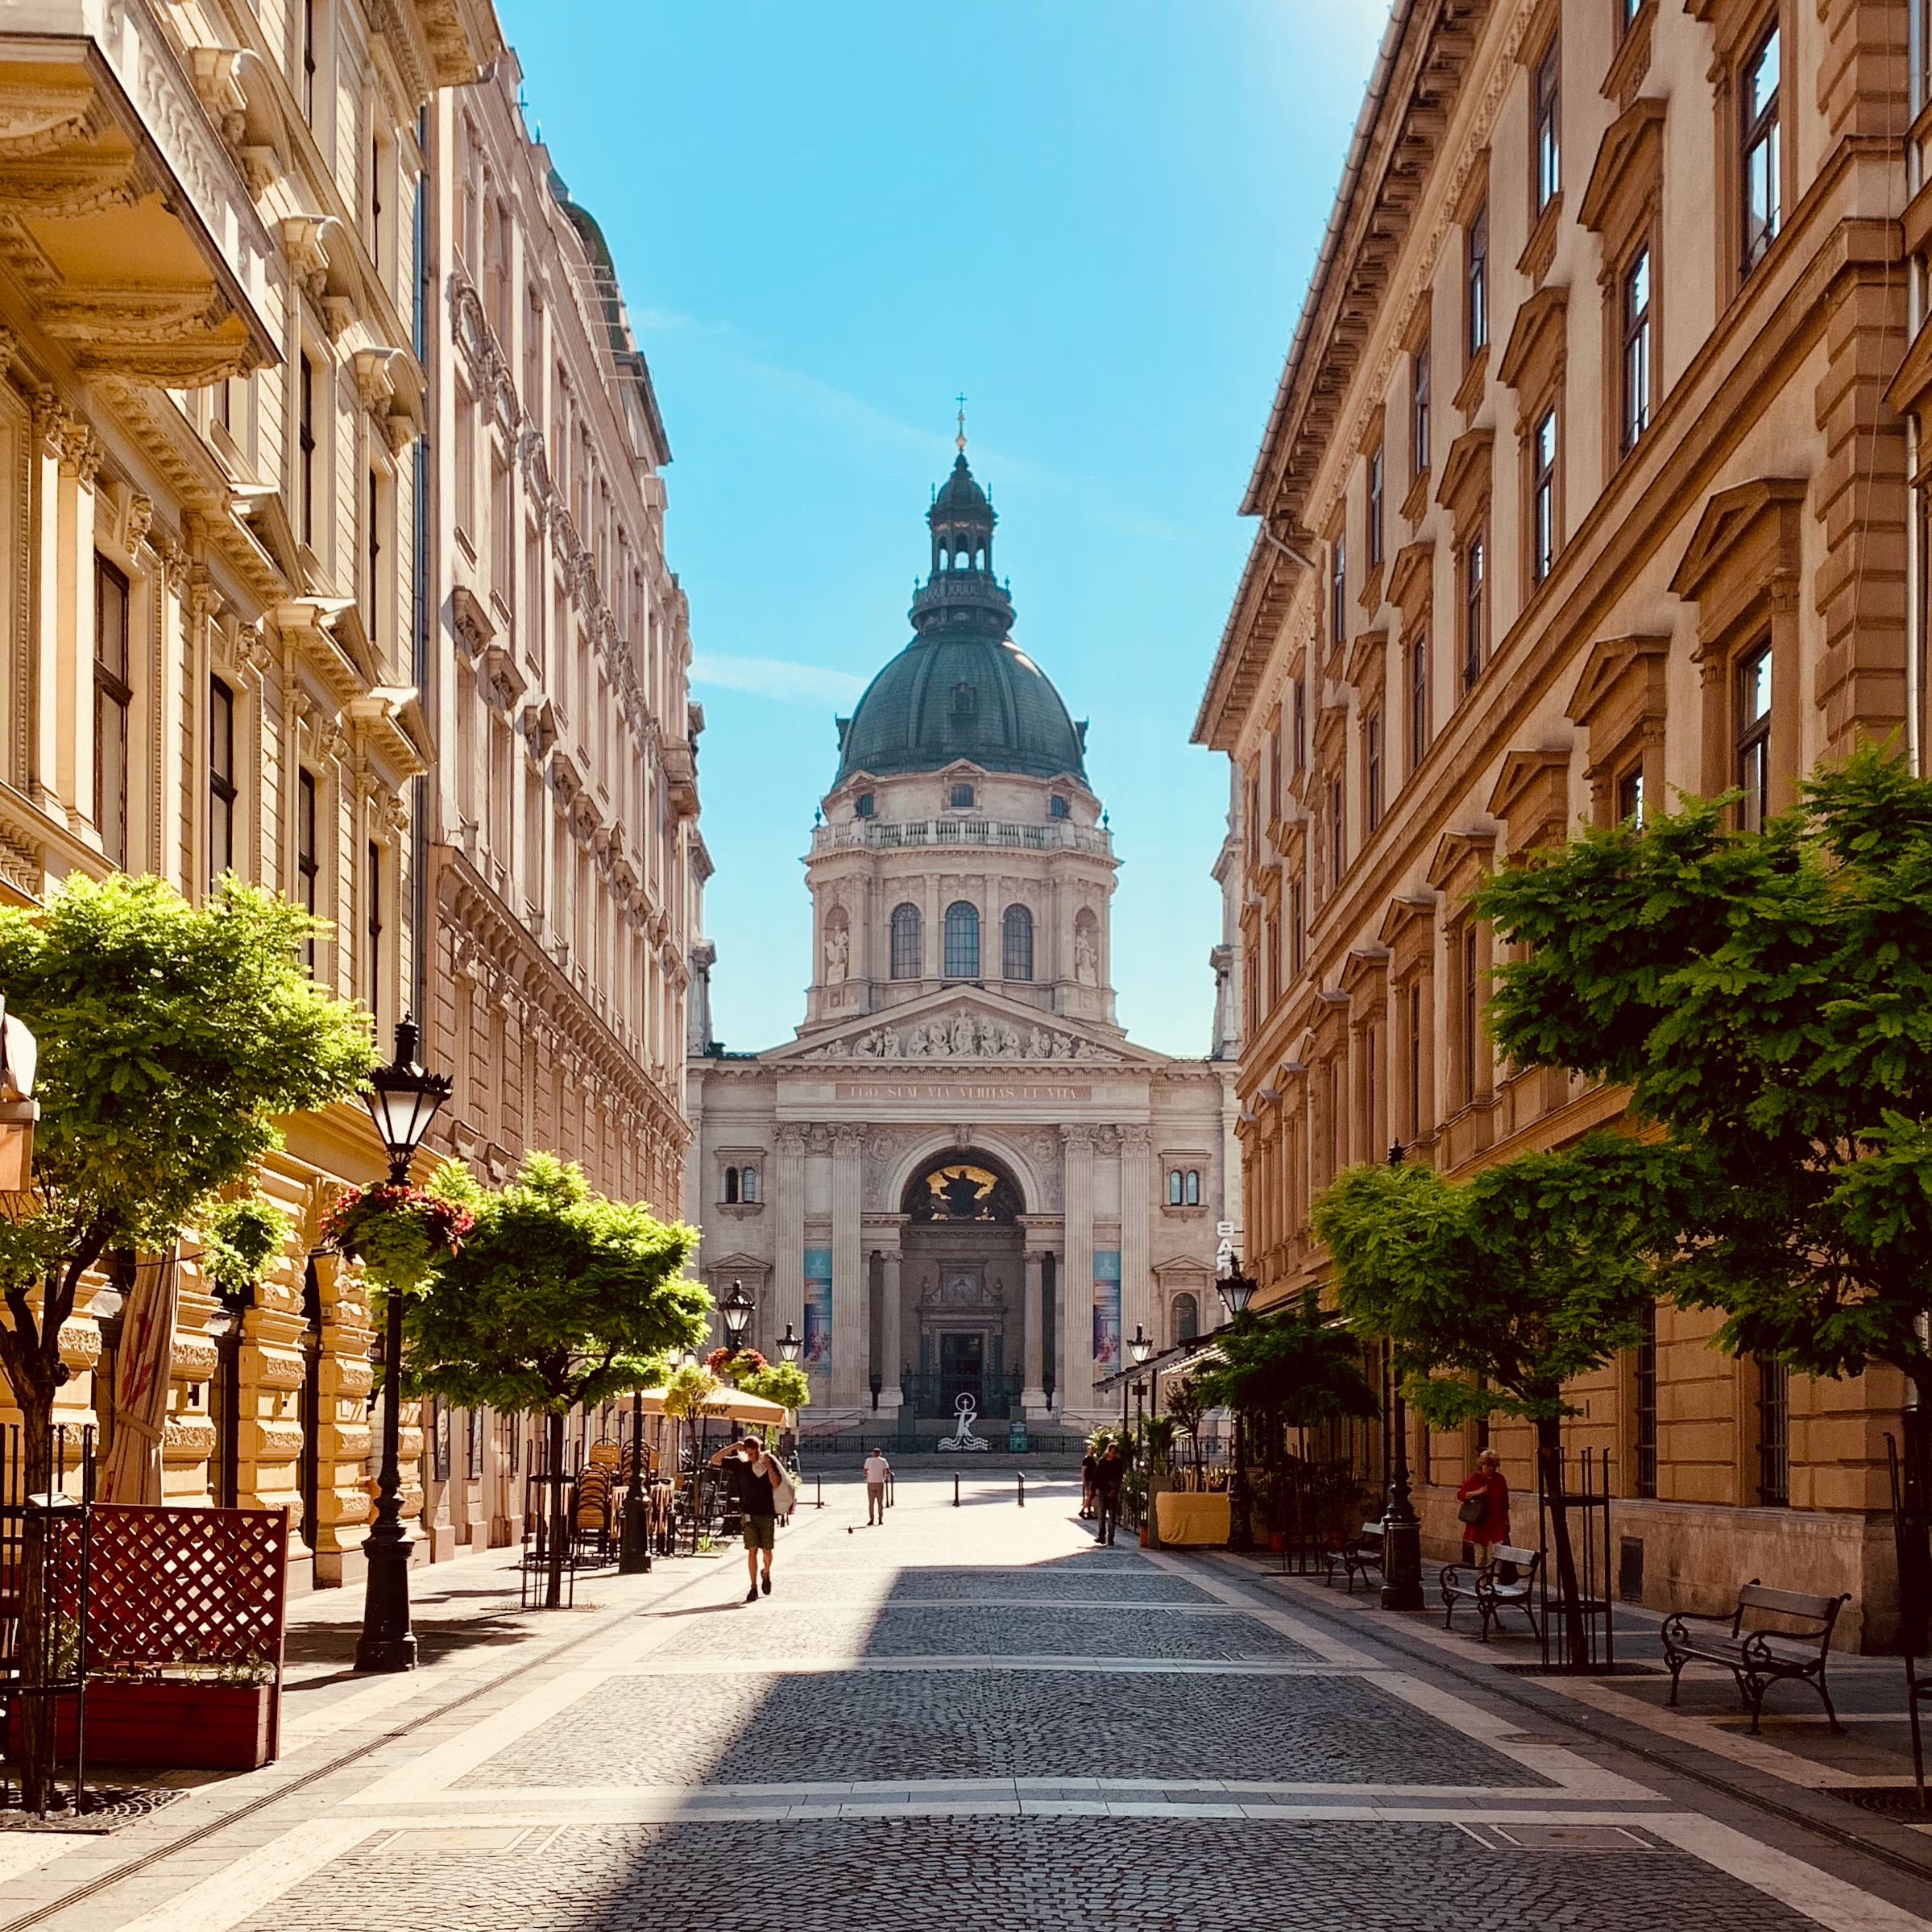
(172, 1726)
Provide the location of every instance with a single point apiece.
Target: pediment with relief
(964, 1035)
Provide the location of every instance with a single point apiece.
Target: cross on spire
(959, 441)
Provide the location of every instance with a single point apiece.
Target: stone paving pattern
(769, 1729)
(1045, 1584)
(1023, 1875)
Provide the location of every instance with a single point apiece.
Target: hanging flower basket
(397, 1232)
(734, 1365)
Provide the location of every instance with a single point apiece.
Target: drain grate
(1889, 1800)
(1500, 1837)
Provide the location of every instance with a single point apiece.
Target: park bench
(1491, 1590)
(1357, 1559)
(1773, 1637)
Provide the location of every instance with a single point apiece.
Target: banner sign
(818, 1309)
(1106, 1308)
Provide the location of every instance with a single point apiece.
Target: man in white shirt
(878, 1471)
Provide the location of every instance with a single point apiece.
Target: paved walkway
(969, 1717)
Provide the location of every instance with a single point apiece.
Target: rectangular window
(1419, 411)
(1298, 922)
(308, 854)
(1476, 282)
(1629, 800)
(1338, 832)
(1301, 727)
(1472, 1006)
(305, 447)
(1644, 1419)
(1774, 1433)
(1762, 192)
(1415, 1006)
(1375, 509)
(372, 552)
(373, 925)
(1371, 767)
(465, 414)
(1634, 412)
(1754, 738)
(1548, 123)
(1474, 611)
(1338, 590)
(220, 780)
(1419, 699)
(114, 697)
(1542, 495)
(309, 61)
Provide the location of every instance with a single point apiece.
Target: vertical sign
(818, 1309)
(1106, 1308)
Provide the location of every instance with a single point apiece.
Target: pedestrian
(878, 1473)
(1483, 1508)
(1108, 1474)
(755, 1477)
(1089, 1464)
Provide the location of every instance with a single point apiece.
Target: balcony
(874, 834)
(121, 208)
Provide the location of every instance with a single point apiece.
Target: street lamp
(403, 1100)
(789, 1345)
(1401, 1530)
(1238, 1290)
(735, 1311)
(1139, 1348)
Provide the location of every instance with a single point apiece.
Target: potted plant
(397, 1232)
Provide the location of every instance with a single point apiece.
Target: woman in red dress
(1486, 1485)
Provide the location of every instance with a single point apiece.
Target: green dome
(961, 694)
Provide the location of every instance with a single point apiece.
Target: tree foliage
(557, 1296)
(783, 1382)
(1294, 1365)
(1768, 998)
(241, 1240)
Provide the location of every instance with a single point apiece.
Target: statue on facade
(838, 951)
(1086, 955)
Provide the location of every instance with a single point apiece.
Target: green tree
(1189, 1403)
(1295, 1365)
(171, 1037)
(1767, 998)
(1496, 1292)
(557, 1297)
(783, 1382)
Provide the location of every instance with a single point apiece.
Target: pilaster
(1137, 1281)
(851, 1338)
(788, 1207)
(1075, 1390)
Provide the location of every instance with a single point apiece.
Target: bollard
(955, 1492)
(819, 1481)
(1022, 1476)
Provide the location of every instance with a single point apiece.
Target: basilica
(961, 1178)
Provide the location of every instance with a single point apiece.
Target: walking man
(754, 1479)
(1107, 1476)
(878, 1473)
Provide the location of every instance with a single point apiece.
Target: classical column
(1033, 1396)
(788, 1207)
(1074, 1393)
(891, 1396)
(1137, 1282)
(850, 1335)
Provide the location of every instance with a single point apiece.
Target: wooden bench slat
(1788, 1602)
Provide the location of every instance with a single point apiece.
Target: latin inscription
(947, 1092)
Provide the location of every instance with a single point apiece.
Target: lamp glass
(789, 1345)
(735, 1310)
(1237, 1289)
(1140, 1348)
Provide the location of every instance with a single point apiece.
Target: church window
(962, 941)
(1016, 944)
(1186, 1318)
(864, 805)
(962, 797)
(748, 1184)
(1174, 1187)
(1194, 1186)
(906, 948)
(731, 1185)
(1057, 807)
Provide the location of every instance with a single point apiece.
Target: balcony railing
(1051, 834)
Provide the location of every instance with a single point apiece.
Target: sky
(1096, 219)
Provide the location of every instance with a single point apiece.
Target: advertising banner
(818, 1309)
(1106, 1309)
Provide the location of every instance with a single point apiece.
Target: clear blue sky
(1096, 218)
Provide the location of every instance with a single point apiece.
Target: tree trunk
(37, 1614)
(560, 1515)
(1549, 1458)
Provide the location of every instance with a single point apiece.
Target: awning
(732, 1405)
(1176, 1360)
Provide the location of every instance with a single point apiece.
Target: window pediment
(1410, 579)
(1367, 667)
(1408, 931)
(1532, 798)
(1620, 695)
(1463, 859)
(1627, 179)
(1533, 357)
(1365, 971)
(1465, 488)
(1747, 536)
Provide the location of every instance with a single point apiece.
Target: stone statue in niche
(838, 950)
(1086, 951)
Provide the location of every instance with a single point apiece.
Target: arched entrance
(963, 1278)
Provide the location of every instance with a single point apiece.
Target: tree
(557, 1297)
(171, 1037)
(1188, 1404)
(694, 1392)
(1498, 1291)
(1766, 997)
(1295, 1365)
(783, 1382)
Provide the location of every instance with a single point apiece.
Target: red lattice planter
(173, 1725)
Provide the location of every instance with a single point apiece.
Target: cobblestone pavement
(970, 1717)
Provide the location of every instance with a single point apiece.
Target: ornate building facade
(961, 1178)
(563, 850)
(1583, 486)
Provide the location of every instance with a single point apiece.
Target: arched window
(1175, 1196)
(748, 1185)
(1193, 1187)
(905, 962)
(1186, 1318)
(962, 941)
(730, 1183)
(1016, 944)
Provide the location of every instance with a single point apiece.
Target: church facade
(961, 1178)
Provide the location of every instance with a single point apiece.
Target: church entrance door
(962, 1368)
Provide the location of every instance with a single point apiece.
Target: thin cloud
(777, 678)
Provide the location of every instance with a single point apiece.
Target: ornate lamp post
(1139, 1348)
(1238, 1290)
(790, 1346)
(1401, 1529)
(735, 1311)
(403, 1100)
